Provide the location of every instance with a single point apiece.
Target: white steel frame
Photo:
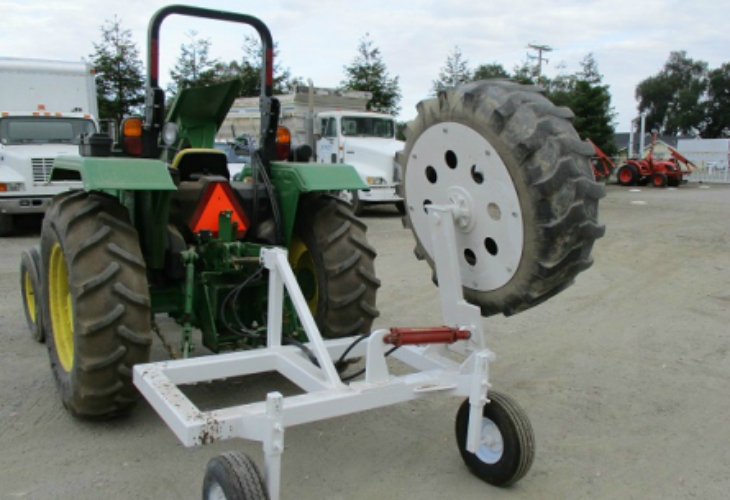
(326, 396)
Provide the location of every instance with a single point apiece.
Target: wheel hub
(61, 306)
(491, 444)
(29, 296)
(452, 164)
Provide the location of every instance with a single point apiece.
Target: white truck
(45, 106)
(337, 126)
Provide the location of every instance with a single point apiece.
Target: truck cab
(45, 108)
(366, 141)
(29, 144)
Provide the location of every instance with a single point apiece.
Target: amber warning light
(218, 197)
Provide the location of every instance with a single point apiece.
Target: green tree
(491, 70)
(454, 72)
(368, 72)
(119, 72)
(525, 74)
(194, 67)
(717, 114)
(249, 70)
(675, 97)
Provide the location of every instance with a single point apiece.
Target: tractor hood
(200, 111)
(372, 157)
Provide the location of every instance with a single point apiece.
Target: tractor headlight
(170, 133)
(11, 186)
(376, 181)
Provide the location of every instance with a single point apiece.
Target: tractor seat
(192, 164)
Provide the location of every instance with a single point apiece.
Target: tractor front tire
(96, 303)
(627, 175)
(659, 180)
(334, 265)
(526, 199)
(30, 288)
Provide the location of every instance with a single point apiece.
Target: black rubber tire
(674, 181)
(518, 441)
(30, 289)
(550, 170)
(236, 475)
(343, 262)
(6, 225)
(659, 180)
(634, 175)
(358, 206)
(110, 304)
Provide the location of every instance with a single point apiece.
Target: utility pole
(540, 49)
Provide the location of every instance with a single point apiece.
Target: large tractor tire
(521, 178)
(334, 265)
(96, 303)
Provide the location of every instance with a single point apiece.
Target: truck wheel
(233, 476)
(6, 225)
(507, 444)
(353, 198)
(30, 289)
(96, 303)
(627, 175)
(334, 265)
(521, 178)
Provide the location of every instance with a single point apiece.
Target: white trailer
(339, 129)
(45, 106)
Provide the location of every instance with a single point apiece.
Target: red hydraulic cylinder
(427, 335)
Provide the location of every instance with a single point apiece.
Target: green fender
(293, 179)
(113, 173)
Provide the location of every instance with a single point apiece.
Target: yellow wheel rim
(61, 308)
(29, 296)
(306, 272)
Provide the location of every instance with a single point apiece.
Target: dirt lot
(626, 378)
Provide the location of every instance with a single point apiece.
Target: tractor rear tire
(96, 303)
(334, 265)
(515, 163)
(233, 476)
(30, 289)
(627, 175)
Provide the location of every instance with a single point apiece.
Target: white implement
(326, 396)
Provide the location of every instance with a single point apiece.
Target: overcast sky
(629, 39)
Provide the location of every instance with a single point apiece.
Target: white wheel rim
(491, 444)
(489, 224)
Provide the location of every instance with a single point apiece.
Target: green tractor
(500, 197)
(160, 228)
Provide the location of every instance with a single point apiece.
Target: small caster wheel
(233, 476)
(506, 445)
(30, 287)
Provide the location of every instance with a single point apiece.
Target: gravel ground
(624, 376)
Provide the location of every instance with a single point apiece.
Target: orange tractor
(602, 165)
(661, 173)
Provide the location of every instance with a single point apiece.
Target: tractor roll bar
(267, 44)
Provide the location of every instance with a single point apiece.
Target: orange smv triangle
(218, 197)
